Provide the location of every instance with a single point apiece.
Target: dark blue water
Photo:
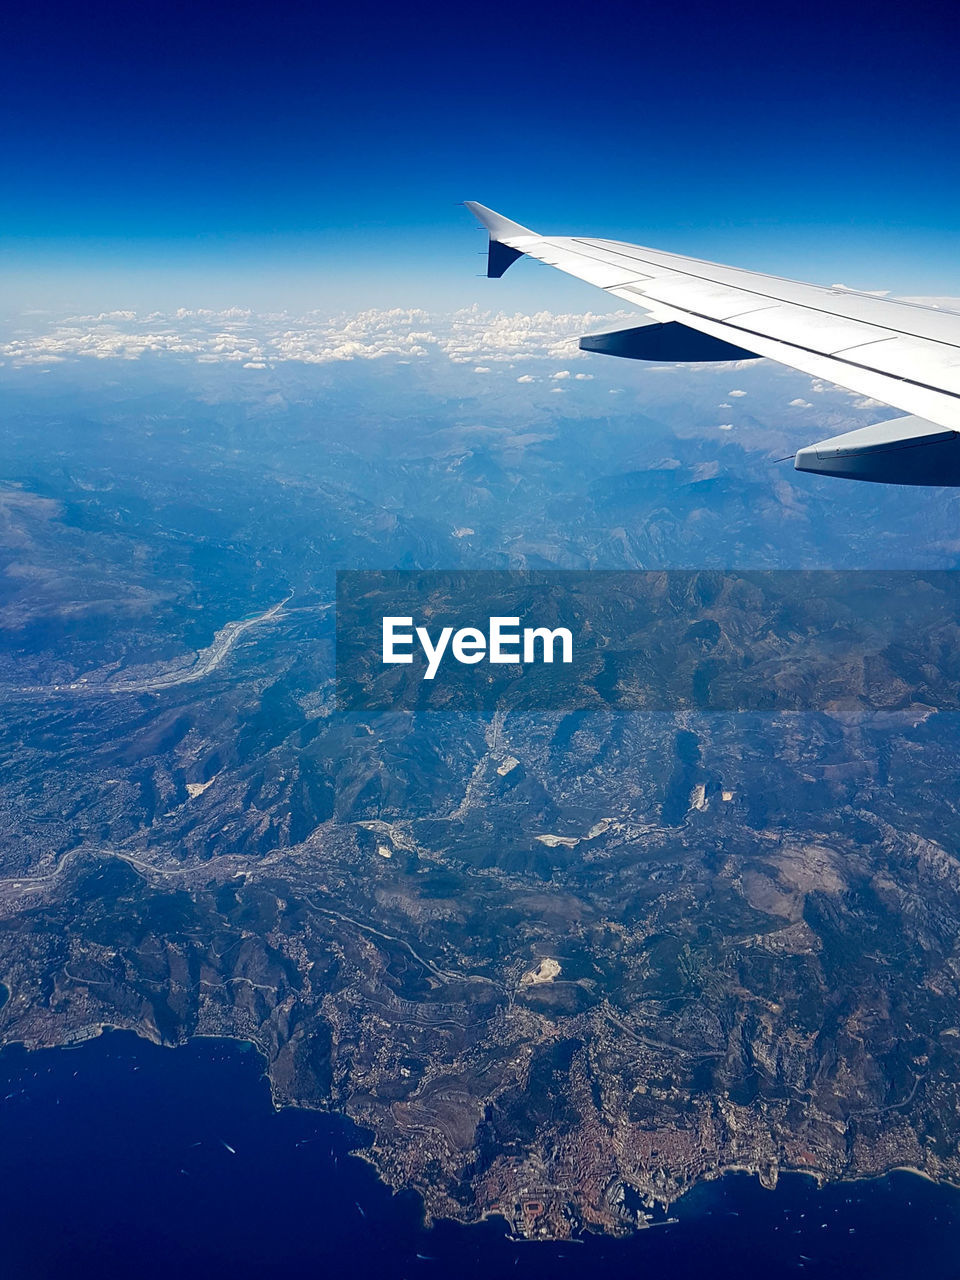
(115, 1161)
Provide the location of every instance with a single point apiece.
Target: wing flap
(914, 358)
(816, 331)
(713, 301)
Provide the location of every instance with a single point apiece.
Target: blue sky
(160, 154)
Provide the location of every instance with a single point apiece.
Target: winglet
(501, 252)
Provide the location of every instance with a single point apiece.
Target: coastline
(366, 1150)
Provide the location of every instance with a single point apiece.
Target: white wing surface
(901, 353)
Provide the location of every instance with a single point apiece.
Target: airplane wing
(901, 353)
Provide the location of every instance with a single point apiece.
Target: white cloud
(473, 336)
(800, 403)
(526, 377)
(726, 426)
(938, 304)
(736, 393)
(481, 368)
(869, 293)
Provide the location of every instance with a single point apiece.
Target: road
(206, 661)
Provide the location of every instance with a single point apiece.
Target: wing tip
(501, 253)
(500, 228)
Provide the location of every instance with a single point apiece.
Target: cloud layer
(258, 341)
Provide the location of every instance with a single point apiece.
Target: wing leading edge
(900, 353)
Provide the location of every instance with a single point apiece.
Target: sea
(121, 1158)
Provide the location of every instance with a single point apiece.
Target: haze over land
(559, 964)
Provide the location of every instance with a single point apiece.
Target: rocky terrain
(560, 963)
(560, 966)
